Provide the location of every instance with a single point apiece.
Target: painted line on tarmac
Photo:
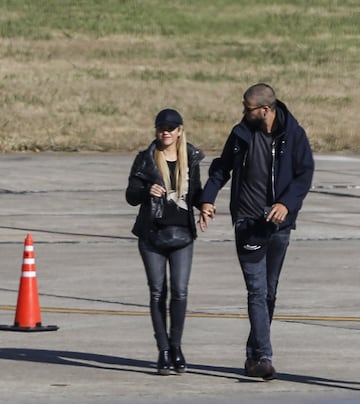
(190, 314)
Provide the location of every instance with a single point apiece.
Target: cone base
(28, 329)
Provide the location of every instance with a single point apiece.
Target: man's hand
(277, 213)
(207, 211)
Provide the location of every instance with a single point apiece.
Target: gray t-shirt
(255, 190)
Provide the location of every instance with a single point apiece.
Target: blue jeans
(155, 262)
(261, 279)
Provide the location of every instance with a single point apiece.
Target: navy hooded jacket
(291, 172)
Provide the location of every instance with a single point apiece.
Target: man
(270, 161)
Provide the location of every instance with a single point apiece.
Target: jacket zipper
(273, 148)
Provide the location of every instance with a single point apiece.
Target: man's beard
(255, 124)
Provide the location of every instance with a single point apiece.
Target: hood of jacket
(286, 120)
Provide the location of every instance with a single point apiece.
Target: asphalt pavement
(92, 286)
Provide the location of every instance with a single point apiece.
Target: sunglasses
(166, 128)
(250, 109)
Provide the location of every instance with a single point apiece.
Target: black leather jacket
(144, 173)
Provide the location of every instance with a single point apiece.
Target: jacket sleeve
(197, 187)
(219, 173)
(303, 169)
(137, 191)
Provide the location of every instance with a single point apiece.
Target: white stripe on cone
(28, 274)
(29, 261)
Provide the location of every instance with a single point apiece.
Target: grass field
(91, 75)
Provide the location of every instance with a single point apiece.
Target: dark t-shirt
(255, 191)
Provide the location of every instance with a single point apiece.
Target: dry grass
(77, 92)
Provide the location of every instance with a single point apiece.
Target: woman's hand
(157, 190)
(207, 211)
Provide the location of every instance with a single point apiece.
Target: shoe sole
(164, 372)
(260, 372)
(270, 376)
(180, 370)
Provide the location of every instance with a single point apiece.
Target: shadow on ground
(107, 362)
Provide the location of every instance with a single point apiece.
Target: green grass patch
(91, 75)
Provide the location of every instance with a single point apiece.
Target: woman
(165, 182)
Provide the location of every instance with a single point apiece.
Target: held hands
(277, 213)
(157, 190)
(207, 211)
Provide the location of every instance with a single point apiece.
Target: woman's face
(167, 135)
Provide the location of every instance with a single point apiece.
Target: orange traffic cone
(28, 317)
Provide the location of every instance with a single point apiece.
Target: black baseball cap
(168, 117)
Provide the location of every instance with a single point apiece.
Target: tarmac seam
(134, 239)
(189, 314)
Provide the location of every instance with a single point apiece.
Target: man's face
(254, 114)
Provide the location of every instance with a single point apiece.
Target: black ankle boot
(177, 359)
(163, 365)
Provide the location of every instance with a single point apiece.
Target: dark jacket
(144, 173)
(291, 172)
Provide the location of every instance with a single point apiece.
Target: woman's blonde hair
(181, 170)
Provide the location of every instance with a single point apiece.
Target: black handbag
(170, 237)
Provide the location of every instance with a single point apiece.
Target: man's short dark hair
(261, 94)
